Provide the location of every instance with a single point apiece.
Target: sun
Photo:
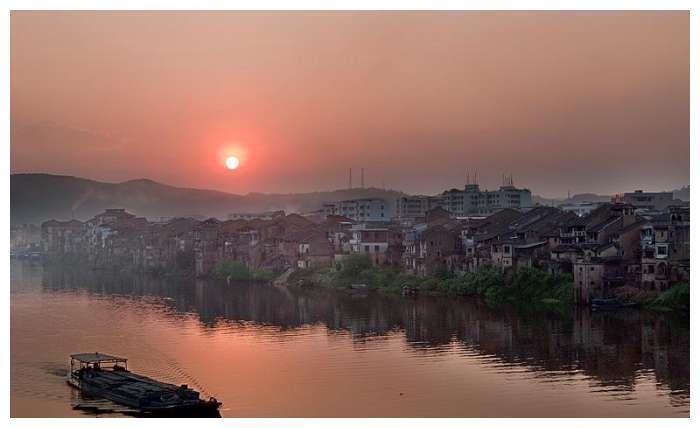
(232, 162)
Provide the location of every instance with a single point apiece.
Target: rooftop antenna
(467, 176)
(350, 180)
(362, 178)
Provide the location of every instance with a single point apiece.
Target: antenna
(350, 180)
(362, 178)
(467, 176)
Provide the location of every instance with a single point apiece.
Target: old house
(206, 246)
(63, 237)
(371, 241)
(517, 253)
(430, 247)
(596, 277)
(315, 250)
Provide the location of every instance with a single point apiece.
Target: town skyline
(564, 101)
(369, 186)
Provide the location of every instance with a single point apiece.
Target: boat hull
(127, 389)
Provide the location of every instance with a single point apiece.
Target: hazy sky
(580, 101)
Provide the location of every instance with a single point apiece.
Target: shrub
(676, 297)
(238, 271)
(231, 269)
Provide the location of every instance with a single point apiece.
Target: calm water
(267, 351)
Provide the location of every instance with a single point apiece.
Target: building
(485, 202)
(594, 278)
(468, 202)
(365, 209)
(652, 201)
(410, 209)
(62, 237)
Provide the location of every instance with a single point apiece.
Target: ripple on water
(273, 353)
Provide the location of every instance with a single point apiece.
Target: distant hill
(683, 194)
(35, 198)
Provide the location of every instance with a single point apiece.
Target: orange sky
(580, 101)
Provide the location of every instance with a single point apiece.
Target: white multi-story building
(471, 201)
(475, 201)
(366, 209)
(409, 208)
(657, 201)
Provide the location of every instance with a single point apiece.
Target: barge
(107, 376)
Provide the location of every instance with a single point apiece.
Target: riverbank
(436, 351)
(529, 288)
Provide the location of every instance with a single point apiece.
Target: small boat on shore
(107, 376)
(606, 303)
(611, 303)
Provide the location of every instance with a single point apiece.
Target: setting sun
(232, 162)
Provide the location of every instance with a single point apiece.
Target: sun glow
(232, 162)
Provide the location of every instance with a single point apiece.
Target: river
(269, 351)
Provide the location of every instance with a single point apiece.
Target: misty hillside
(35, 198)
(683, 194)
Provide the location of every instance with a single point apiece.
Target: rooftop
(94, 357)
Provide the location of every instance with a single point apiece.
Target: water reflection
(613, 350)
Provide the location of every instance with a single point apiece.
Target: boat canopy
(96, 357)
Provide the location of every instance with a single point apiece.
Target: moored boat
(606, 304)
(107, 376)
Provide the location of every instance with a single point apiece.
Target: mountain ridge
(36, 197)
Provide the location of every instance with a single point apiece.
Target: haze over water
(267, 351)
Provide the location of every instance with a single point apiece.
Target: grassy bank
(530, 287)
(676, 298)
(238, 271)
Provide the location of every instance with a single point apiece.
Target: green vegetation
(238, 271)
(675, 298)
(531, 287)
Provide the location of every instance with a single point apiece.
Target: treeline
(235, 270)
(675, 298)
(527, 287)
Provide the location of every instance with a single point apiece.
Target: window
(662, 251)
(591, 268)
(506, 249)
(376, 248)
(366, 248)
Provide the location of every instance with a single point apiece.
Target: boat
(606, 304)
(107, 376)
